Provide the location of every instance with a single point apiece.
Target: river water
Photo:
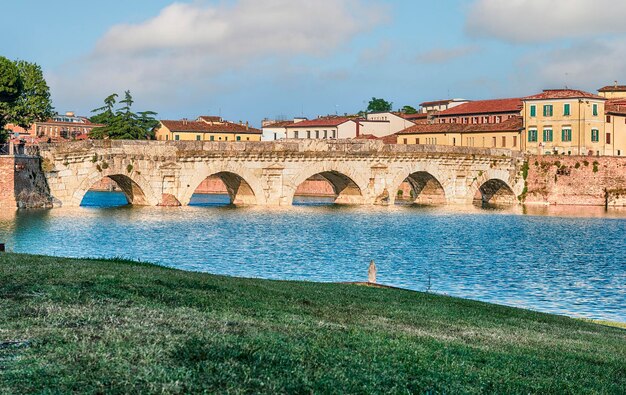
(568, 261)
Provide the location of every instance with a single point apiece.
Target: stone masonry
(576, 180)
(269, 173)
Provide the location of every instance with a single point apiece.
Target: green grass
(94, 326)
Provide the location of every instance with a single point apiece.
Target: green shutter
(595, 110)
(566, 109)
(533, 111)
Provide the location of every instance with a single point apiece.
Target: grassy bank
(119, 327)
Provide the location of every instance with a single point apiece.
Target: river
(566, 260)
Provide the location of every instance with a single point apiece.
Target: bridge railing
(12, 148)
(296, 146)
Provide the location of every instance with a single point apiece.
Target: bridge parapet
(189, 148)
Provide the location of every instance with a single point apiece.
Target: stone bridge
(269, 173)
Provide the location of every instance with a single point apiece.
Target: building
(565, 121)
(323, 128)
(615, 127)
(277, 130)
(437, 106)
(613, 91)
(206, 128)
(381, 124)
(59, 127)
(480, 111)
(505, 134)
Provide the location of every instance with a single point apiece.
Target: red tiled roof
(223, 127)
(389, 139)
(485, 107)
(419, 115)
(613, 88)
(551, 94)
(510, 125)
(210, 118)
(321, 122)
(615, 107)
(279, 124)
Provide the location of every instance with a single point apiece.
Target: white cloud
(588, 65)
(444, 55)
(186, 48)
(526, 21)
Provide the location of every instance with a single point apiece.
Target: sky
(247, 60)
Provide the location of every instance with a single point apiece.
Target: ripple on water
(567, 264)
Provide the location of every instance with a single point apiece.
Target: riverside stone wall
(22, 183)
(576, 180)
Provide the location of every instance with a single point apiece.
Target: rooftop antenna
(566, 77)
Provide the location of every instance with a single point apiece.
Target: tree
(123, 123)
(33, 104)
(408, 110)
(379, 105)
(10, 88)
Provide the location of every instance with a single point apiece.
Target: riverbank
(90, 326)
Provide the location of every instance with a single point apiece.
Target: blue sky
(251, 59)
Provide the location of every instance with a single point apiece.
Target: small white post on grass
(371, 273)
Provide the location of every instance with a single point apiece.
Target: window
(595, 135)
(247, 138)
(514, 141)
(566, 109)
(325, 134)
(334, 132)
(212, 138)
(417, 140)
(238, 138)
(595, 110)
(308, 134)
(608, 119)
(198, 137)
(547, 110)
(295, 134)
(406, 141)
(566, 135)
(226, 138)
(498, 119)
(503, 141)
(547, 135)
(317, 134)
(275, 136)
(176, 137)
(167, 137)
(608, 138)
(532, 135)
(533, 111)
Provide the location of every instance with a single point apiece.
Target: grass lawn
(95, 326)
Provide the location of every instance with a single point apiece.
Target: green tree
(123, 123)
(10, 89)
(379, 105)
(33, 104)
(408, 110)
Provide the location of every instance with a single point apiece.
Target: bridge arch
(244, 188)
(349, 186)
(427, 186)
(134, 186)
(495, 191)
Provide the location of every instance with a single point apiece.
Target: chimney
(247, 125)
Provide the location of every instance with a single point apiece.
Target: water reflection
(556, 259)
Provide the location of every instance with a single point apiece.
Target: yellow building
(206, 128)
(564, 121)
(613, 91)
(506, 134)
(615, 128)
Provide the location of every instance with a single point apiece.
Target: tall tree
(123, 123)
(409, 110)
(379, 105)
(10, 88)
(33, 104)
